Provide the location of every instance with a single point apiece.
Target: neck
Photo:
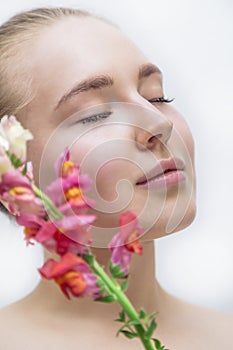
(144, 291)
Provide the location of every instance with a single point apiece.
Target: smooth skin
(68, 52)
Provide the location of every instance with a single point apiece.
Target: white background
(191, 41)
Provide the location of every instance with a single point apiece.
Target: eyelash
(94, 118)
(161, 100)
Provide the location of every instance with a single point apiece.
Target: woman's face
(84, 67)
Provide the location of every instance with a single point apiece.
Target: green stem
(112, 286)
(124, 302)
(56, 214)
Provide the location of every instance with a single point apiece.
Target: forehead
(84, 36)
(77, 47)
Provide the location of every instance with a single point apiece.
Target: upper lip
(160, 168)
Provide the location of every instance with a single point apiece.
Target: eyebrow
(103, 81)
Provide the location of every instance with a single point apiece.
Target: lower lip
(168, 179)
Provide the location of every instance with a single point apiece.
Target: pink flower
(64, 167)
(32, 224)
(64, 236)
(15, 137)
(16, 190)
(67, 191)
(125, 242)
(72, 274)
(68, 234)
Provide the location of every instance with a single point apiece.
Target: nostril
(154, 137)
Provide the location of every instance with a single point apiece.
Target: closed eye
(161, 100)
(95, 117)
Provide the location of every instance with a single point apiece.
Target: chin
(159, 229)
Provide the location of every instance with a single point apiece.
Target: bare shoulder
(12, 326)
(189, 326)
(21, 328)
(184, 325)
(9, 314)
(217, 320)
(30, 330)
(210, 329)
(217, 328)
(220, 323)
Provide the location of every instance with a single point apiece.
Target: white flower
(13, 137)
(4, 144)
(5, 164)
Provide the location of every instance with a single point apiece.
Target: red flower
(72, 274)
(125, 242)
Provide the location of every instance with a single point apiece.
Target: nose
(152, 132)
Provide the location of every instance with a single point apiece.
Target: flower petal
(72, 222)
(65, 155)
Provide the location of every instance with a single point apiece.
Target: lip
(166, 172)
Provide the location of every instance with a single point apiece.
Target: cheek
(183, 132)
(114, 184)
(188, 139)
(109, 163)
(36, 149)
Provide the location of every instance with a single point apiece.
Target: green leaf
(24, 171)
(151, 329)
(106, 299)
(142, 314)
(119, 275)
(128, 334)
(115, 270)
(152, 315)
(12, 158)
(158, 345)
(133, 323)
(15, 161)
(89, 258)
(122, 315)
(124, 285)
(128, 323)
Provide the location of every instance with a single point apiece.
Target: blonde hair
(16, 38)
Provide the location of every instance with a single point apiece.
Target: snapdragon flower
(125, 242)
(13, 137)
(67, 191)
(16, 189)
(73, 276)
(5, 163)
(59, 220)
